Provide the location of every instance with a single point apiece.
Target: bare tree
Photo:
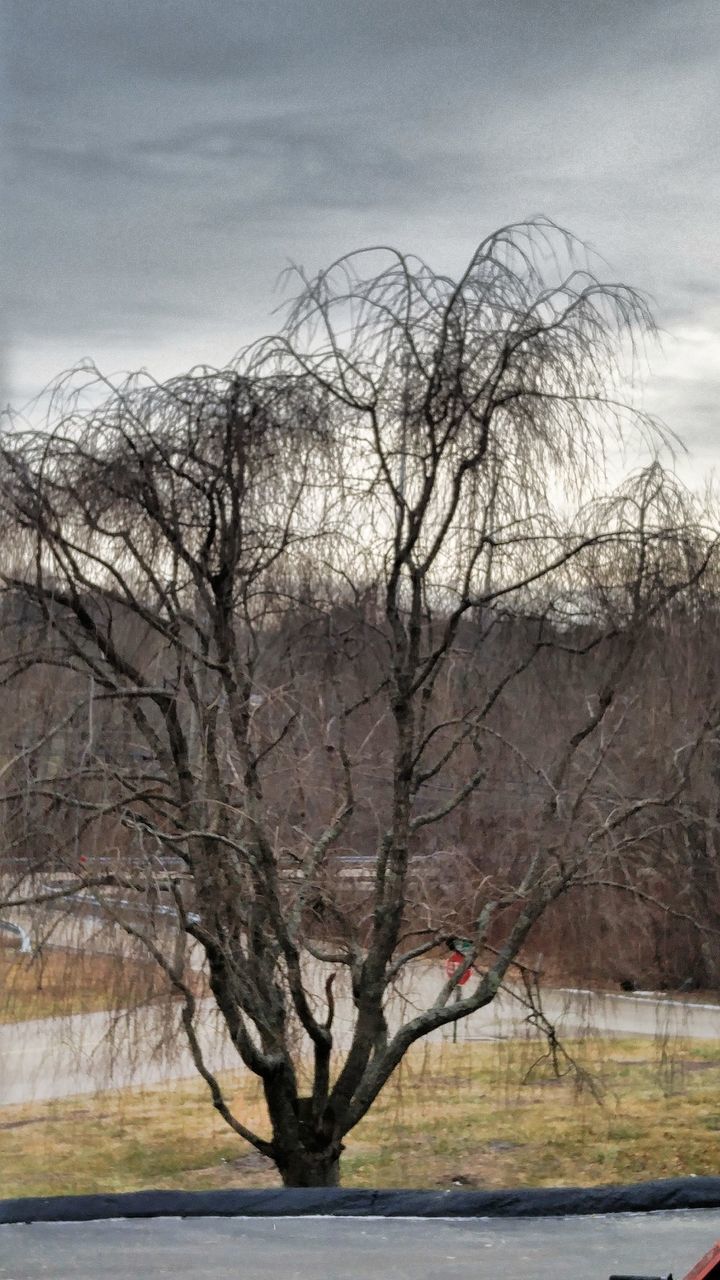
(294, 608)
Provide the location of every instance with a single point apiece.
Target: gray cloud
(170, 157)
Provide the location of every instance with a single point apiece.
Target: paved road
(356, 1248)
(55, 1058)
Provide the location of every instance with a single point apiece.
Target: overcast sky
(171, 156)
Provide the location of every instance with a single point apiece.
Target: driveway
(85, 1053)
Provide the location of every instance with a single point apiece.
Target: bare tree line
(363, 595)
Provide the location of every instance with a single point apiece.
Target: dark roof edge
(641, 1197)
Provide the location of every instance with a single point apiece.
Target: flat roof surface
(577, 1248)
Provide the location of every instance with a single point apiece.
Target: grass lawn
(62, 982)
(452, 1115)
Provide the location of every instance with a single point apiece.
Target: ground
(452, 1115)
(58, 982)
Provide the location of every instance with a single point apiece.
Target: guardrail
(22, 934)
(86, 899)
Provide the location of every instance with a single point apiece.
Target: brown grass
(451, 1116)
(59, 982)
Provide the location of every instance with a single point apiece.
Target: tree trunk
(302, 1168)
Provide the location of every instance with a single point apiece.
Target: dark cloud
(171, 156)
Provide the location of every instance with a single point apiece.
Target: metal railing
(22, 934)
